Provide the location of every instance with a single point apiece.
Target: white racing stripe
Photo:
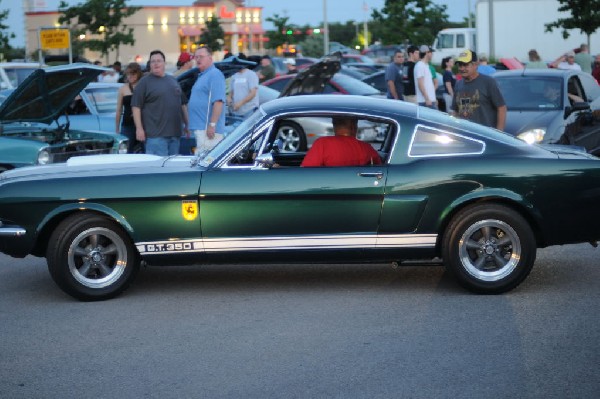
(387, 241)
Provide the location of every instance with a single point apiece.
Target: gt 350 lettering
(170, 247)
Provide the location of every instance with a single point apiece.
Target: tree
(415, 21)
(213, 35)
(101, 21)
(585, 16)
(278, 37)
(5, 37)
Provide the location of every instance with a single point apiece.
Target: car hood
(521, 121)
(229, 67)
(44, 94)
(100, 165)
(312, 80)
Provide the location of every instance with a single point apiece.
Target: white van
(451, 42)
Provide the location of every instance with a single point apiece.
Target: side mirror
(265, 160)
(576, 107)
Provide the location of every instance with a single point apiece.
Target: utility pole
(325, 29)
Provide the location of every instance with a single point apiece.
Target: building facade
(172, 29)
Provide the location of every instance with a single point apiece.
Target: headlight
(122, 148)
(533, 136)
(43, 157)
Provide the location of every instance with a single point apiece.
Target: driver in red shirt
(343, 149)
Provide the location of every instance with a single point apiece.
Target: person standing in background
(535, 62)
(243, 92)
(476, 96)
(290, 64)
(584, 59)
(159, 109)
(410, 93)
(207, 101)
(184, 63)
(596, 70)
(266, 71)
(566, 61)
(124, 116)
(393, 77)
(423, 79)
(483, 67)
(449, 82)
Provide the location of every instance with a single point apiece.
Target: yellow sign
(54, 38)
(189, 209)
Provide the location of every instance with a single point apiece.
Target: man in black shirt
(408, 78)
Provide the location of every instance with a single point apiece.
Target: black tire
(489, 248)
(292, 135)
(91, 258)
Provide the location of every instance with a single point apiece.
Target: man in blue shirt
(393, 76)
(206, 104)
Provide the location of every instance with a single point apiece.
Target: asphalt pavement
(304, 331)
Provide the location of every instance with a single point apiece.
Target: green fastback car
(32, 131)
(481, 200)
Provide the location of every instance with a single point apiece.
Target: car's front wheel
(489, 248)
(91, 258)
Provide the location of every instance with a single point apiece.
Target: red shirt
(341, 151)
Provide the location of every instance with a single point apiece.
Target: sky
(300, 12)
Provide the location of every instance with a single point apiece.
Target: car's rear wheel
(91, 258)
(490, 249)
(292, 135)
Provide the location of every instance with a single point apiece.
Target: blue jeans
(129, 131)
(162, 146)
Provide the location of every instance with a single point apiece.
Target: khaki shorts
(411, 99)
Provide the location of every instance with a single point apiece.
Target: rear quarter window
(431, 142)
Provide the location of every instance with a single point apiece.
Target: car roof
(537, 72)
(345, 103)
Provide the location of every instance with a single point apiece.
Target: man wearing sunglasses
(476, 96)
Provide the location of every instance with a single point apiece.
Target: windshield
(531, 93)
(17, 75)
(244, 129)
(354, 86)
(103, 98)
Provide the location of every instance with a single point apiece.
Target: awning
(255, 29)
(189, 31)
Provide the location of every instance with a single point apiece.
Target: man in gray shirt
(159, 109)
(476, 96)
(243, 92)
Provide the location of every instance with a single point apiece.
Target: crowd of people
(471, 94)
(153, 112)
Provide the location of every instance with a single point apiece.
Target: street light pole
(325, 29)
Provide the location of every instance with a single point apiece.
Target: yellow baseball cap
(467, 56)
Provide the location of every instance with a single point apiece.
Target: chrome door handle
(378, 175)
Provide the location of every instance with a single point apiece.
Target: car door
(583, 125)
(291, 208)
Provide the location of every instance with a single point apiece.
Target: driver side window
(290, 138)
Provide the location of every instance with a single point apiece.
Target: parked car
(552, 106)
(337, 84)
(382, 53)
(326, 76)
(33, 131)
(12, 74)
(481, 200)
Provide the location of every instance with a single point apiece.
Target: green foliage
(4, 35)
(585, 16)
(412, 21)
(213, 35)
(276, 37)
(312, 46)
(101, 18)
